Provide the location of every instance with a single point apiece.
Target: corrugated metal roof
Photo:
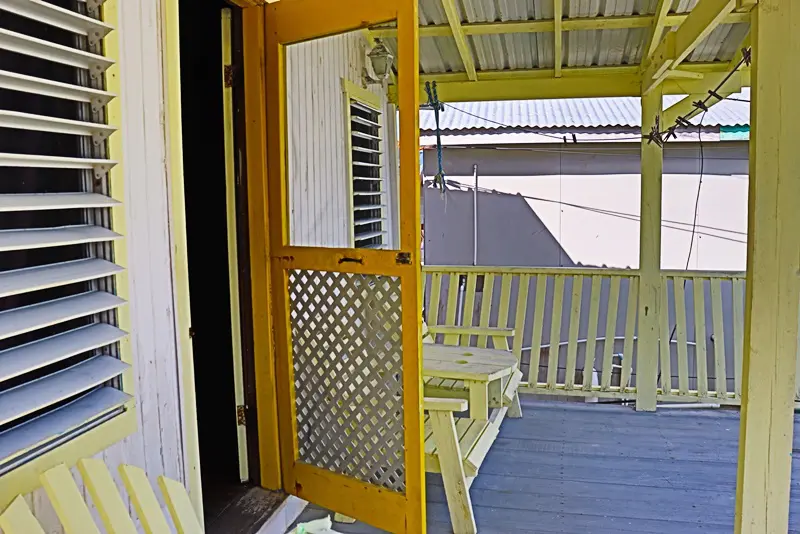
(571, 113)
(581, 48)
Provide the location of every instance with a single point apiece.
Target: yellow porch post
(649, 257)
(773, 263)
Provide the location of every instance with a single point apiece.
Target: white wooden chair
(74, 514)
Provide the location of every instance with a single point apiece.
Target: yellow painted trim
(649, 257)
(772, 288)
(26, 478)
(680, 74)
(303, 20)
(355, 92)
(454, 20)
(589, 82)
(180, 261)
(676, 46)
(558, 37)
(381, 508)
(548, 25)
(255, 91)
(233, 246)
(657, 30)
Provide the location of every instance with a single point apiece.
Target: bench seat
(456, 389)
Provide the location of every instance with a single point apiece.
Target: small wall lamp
(381, 59)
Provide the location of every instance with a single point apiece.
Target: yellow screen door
(344, 253)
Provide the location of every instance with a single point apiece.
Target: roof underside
(630, 20)
(623, 112)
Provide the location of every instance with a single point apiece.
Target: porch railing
(703, 313)
(562, 315)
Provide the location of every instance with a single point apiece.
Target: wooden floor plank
(574, 468)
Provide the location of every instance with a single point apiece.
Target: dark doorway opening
(231, 504)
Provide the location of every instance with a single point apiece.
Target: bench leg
(515, 409)
(452, 468)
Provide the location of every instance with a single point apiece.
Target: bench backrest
(76, 518)
(465, 336)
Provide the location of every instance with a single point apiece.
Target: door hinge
(228, 75)
(241, 417)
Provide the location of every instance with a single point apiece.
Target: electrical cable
(669, 224)
(694, 223)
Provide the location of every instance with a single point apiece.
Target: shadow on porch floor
(576, 468)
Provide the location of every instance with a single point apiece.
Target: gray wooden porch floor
(593, 468)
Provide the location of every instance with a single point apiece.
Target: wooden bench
(74, 515)
(501, 395)
(456, 447)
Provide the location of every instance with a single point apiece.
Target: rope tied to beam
(437, 107)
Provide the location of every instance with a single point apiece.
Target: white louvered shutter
(60, 370)
(370, 224)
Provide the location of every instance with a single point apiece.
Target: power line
(699, 188)
(670, 224)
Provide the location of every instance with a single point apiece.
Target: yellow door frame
(292, 22)
(254, 63)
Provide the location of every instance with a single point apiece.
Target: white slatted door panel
(60, 371)
(370, 224)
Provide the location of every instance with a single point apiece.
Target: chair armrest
(445, 405)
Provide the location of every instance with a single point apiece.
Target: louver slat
(40, 86)
(32, 396)
(21, 320)
(54, 237)
(54, 275)
(58, 17)
(39, 48)
(31, 356)
(43, 123)
(58, 425)
(54, 201)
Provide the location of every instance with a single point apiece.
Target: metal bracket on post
(98, 138)
(101, 171)
(93, 7)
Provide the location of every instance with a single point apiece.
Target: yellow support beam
(680, 74)
(580, 82)
(454, 20)
(558, 37)
(677, 45)
(773, 286)
(745, 5)
(548, 25)
(649, 256)
(659, 23)
(683, 107)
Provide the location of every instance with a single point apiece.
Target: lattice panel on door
(348, 373)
